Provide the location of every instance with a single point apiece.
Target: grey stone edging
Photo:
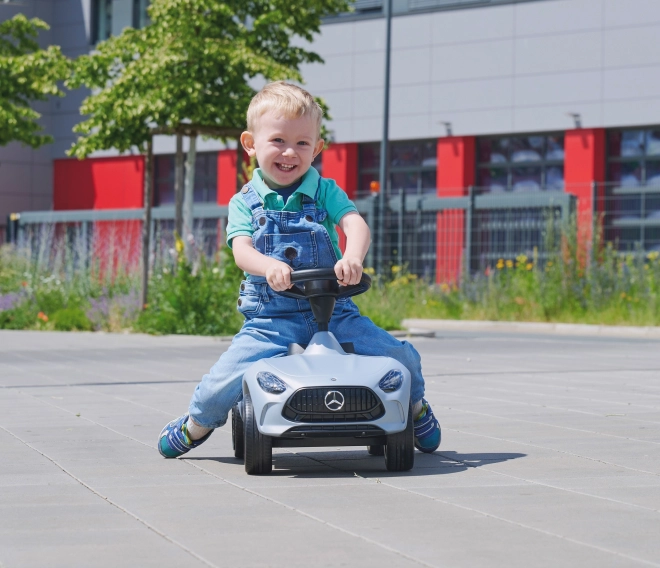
(424, 326)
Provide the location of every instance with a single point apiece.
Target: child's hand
(348, 271)
(278, 275)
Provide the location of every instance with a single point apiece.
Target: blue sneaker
(427, 430)
(174, 440)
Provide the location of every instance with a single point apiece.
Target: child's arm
(358, 239)
(277, 273)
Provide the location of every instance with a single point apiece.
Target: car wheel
(376, 450)
(400, 448)
(258, 448)
(237, 434)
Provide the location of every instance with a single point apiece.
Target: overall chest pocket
(298, 250)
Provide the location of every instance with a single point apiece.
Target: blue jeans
(272, 323)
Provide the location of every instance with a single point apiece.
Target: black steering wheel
(318, 282)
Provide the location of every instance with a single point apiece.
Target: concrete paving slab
(549, 458)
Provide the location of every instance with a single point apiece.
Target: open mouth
(285, 167)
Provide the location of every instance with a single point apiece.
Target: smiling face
(284, 147)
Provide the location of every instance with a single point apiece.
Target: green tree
(188, 72)
(27, 74)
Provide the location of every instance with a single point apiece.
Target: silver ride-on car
(323, 394)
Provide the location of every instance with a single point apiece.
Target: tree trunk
(146, 223)
(178, 186)
(188, 197)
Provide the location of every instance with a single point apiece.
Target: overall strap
(251, 198)
(309, 203)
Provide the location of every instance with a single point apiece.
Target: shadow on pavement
(324, 464)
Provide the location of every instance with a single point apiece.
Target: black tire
(400, 448)
(237, 434)
(376, 450)
(258, 448)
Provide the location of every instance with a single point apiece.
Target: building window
(206, 178)
(140, 16)
(520, 163)
(413, 166)
(101, 20)
(633, 193)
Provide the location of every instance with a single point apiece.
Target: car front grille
(360, 404)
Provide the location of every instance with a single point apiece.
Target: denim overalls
(273, 321)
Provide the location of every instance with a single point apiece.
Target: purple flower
(11, 300)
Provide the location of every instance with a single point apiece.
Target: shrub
(70, 319)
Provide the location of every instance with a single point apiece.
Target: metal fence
(438, 238)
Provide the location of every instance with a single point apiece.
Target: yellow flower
(369, 270)
(396, 269)
(529, 266)
(623, 295)
(509, 263)
(178, 245)
(653, 255)
(500, 264)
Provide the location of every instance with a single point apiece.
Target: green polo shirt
(331, 198)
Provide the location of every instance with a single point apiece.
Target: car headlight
(270, 383)
(392, 381)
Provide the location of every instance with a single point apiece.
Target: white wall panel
(631, 112)
(68, 12)
(369, 35)
(465, 26)
(340, 103)
(333, 40)
(633, 82)
(337, 73)
(555, 117)
(366, 129)
(625, 47)
(410, 99)
(342, 131)
(468, 95)
(630, 12)
(560, 16)
(368, 103)
(477, 122)
(557, 88)
(411, 31)
(472, 60)
(411, 127)
(554, 53)
(411, 66)
(368, 70)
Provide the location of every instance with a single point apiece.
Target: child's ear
(318, 147)
(247, 141)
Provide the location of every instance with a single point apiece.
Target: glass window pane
(653, 172)
(494, 150)
(653, 143)
(555, 148)
(627, 174)
(554, 178)
(405, 154)
(364, 187)
(429, 182)
(527, 149)
(526, 179)
(494, 180)
(369, 155)
(404, 181)
(632, 143)
(430, 153)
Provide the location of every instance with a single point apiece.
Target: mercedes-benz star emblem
(334, 400)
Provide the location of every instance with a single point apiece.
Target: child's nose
(289, 152)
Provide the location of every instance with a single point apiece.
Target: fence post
(468, 231)
(12, 227)
(399, 244)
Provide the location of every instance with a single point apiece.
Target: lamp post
(384, 144)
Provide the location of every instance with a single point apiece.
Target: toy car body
(322, 394)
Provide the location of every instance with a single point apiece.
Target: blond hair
(291, 100)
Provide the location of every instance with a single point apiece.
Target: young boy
(282, 220)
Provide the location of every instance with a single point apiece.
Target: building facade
(500, 96)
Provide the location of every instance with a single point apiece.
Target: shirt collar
(308, 186)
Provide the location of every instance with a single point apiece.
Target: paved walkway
(550, 457)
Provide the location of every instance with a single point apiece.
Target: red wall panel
(340, 162)
(227, 175)
(456, 171)
(98, 183)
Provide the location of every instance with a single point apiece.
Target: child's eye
(278, 140)
(303, 143)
